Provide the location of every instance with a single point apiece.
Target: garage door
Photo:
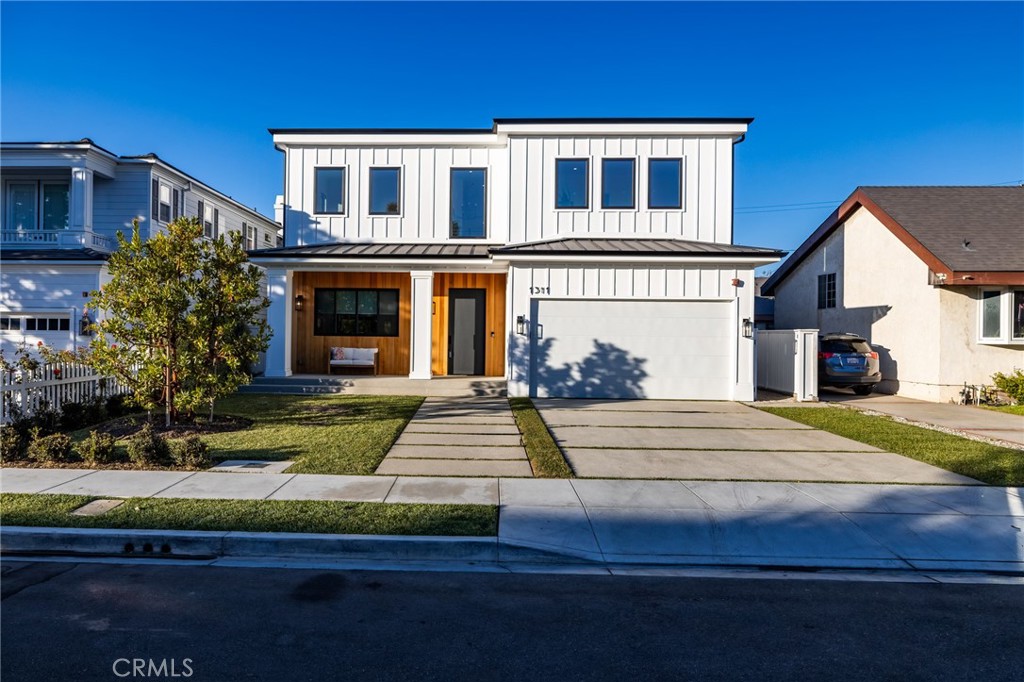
(632, 349)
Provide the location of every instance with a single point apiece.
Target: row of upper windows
(619, 184)
(168, 206)
(468, 187)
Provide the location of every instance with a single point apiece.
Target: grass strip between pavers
(281, 516)
(987, 463)
(546, 458)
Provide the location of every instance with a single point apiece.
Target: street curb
(209, 545)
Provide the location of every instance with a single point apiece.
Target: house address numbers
(540, 290)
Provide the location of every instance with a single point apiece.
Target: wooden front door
(466, 331)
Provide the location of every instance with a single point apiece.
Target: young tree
(225, 323)
(177, 318)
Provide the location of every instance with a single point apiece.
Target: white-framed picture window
(37, 205)
(1001, 315)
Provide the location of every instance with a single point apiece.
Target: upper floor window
(38, 205)
(572, 182)
(385, 186)
(827, 291)
(211, 219)
(329, 188)
(249, 233)
(166, 201)
(665, 183)
(469, 203)
(618, 178)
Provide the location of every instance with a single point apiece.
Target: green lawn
(1009, 409)
(287, 516)
(546, 458)
(987, 463)
(324, 434)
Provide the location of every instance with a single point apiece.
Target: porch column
(80, 201)
(279, 318)
(422, 304)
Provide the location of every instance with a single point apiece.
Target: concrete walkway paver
(113, 483)
(661, 522)
(459, 437)
(966, 418)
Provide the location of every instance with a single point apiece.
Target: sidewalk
(976, 421)
(635, 522)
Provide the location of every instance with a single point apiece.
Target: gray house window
(385, 186)
(827, 291)
(329, 188)
(618, 180)
(572, 180)
(469, 203)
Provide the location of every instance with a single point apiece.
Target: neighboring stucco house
(933, 277)
(62, 206)
(572, 257)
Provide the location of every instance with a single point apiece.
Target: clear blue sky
(843, 94)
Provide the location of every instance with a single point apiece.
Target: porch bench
(352, 357)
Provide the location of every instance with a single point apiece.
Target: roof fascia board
(368, 139)
(627, 257)
(729, 129)
(962, 278)
(272, 261)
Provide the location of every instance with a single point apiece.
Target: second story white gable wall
(520, 158)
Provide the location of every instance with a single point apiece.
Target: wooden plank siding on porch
(310, 352)
(494, 315)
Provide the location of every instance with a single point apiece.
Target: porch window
(355, 312)
(385, 186)
(469, 203)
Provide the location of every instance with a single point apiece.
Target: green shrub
(98, 448)
(12, 444)
(116, 406)
(191, 452)
(148, 448)
(1011, 384)
(72, 416)
(53, 448)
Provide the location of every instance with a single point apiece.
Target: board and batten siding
(706, 213)
(425, 197)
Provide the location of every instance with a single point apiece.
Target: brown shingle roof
(967, 228)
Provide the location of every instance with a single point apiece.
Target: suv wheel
(864, 390)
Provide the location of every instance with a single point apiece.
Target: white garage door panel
(630, 349)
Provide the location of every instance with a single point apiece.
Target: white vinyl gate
(787, 362)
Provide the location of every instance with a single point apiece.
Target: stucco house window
(827, 291)
(1017, 315)
(1001, 316)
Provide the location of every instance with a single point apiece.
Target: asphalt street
(88, 621)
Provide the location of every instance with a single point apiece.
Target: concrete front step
(444, 387)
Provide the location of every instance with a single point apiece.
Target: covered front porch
(423, 323)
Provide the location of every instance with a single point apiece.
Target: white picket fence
(23, 392)
(787, 362)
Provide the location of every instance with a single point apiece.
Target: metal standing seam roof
(569, 246)
(386, 250)
(631, 246)
(53, 254)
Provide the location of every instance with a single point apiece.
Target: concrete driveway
(692, 440)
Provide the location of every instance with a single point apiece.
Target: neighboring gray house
(933, 277)
(62, 203)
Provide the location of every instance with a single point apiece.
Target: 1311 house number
(540, 290)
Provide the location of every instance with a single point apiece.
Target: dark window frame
(632, 203)
(344, 190)
(398, 192)
(650, 203)
(356, 290)
(451, 205)
(586, 204)
(827, 290)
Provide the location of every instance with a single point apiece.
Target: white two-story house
(572, 257)
(62, 206)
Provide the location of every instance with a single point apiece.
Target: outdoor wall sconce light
(85, 324)
(299, 300)
(521, 325)
(748, 328)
